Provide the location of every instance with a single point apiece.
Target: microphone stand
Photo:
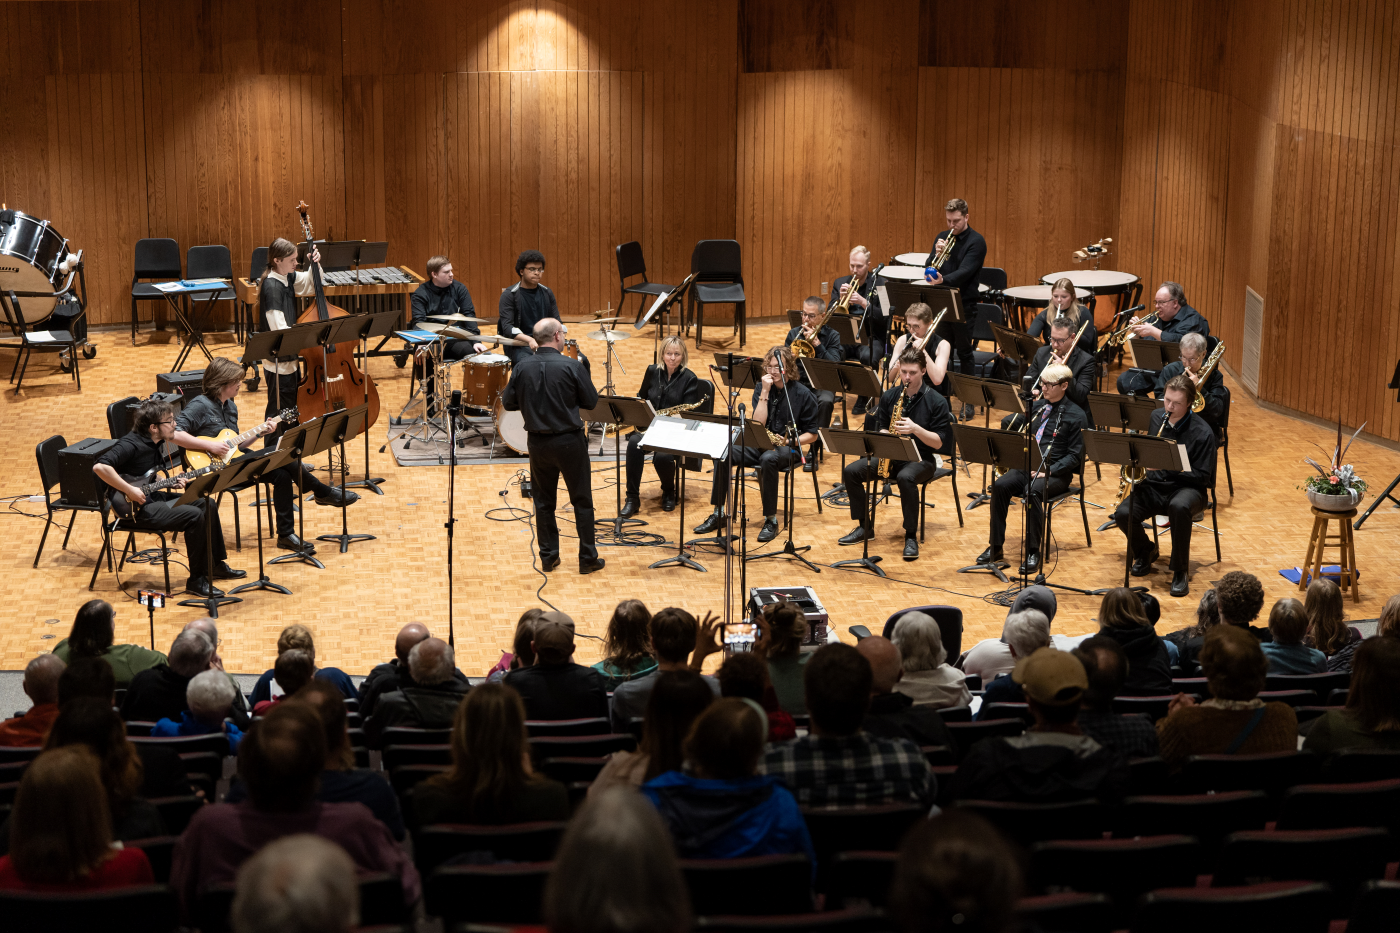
(454, 408)
(788, 549)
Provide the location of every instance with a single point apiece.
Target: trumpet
(1198, 403)
(1118, 337)
(1055, 358)
(803, 347)
(941, 256)
(1130, 476)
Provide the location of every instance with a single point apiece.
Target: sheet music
(884, 300)
(40, 336)
(660, 300)
(700, 438)
(1185, 460)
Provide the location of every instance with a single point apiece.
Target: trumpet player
(827, 346)
(865, 305)
(1177, 494)
(1056, 423)
(925, 417)
(666, 386)
(961, 270)
(1174, 320)
(936, 350)
(1193, 356)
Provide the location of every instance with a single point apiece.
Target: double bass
(333, 380)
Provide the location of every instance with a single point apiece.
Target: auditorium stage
(356, 604)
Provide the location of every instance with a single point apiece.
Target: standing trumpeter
(864, 304)
(960, 268)
(667, 386)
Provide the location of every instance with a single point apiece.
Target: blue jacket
(188, 725)
(262, 690)
(730, 819)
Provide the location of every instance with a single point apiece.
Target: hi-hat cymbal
(456, 317)
(604, 320)
(611, 336)
(433, 326)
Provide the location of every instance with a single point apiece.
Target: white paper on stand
(884, 300)
(700, 438)
(660, 300)
(1185, 460)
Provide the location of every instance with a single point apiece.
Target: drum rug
(413, 444)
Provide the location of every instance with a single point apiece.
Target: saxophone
(895, 415)
(1129, 476)
(677, 409)
(1198, 403)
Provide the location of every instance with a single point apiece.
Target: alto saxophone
(895, 415)
(1198, 403)
(676, 409)
(1130, 476)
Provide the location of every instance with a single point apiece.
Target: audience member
(1239, 597)
(722, 807)
(1389, 622)
(1054, 760)
(1288, 624)
(674, 635)
(616, 871)
(60, 832)
(1234, 720)
(242, 712)
(1371, 718)
(554, 687)
(992, 657)
(280, 760)
(626, 648)
(293, 670)
(893, 715)
(955, 872)
(1106, 668)
(386, 678)
(429, 703)
(1122, 618)
(491, 780)
(1025, 632)
(92, 635)
(676, 700)
(1328, 631)
(1207, 617)
(928, 679)
(299, 636)
(744, 675)
(341, 781)
(87, 677)
(298, 884)
(159, 692)
(520, 653)
(782, 629)
(210, 696)
(41, 677)
(836, 764)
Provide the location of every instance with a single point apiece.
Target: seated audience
(956, 872)
(626, 648)
(491, 780)
(928, 679)
(159, 692)
(432, 700)
(341, 781)
(1239, 597)
(674, 635)
(1054, 760)
(1106, 667)
(92, 635)
(1371, 718)
(385, 678)
(837, 764)
(675, 701)
(893, 715)
(41, 677)
(991, 657)
(520, 655)
(293, 670)
(722, 807)
(1234, 720)
(1207, 617)
(1288, 625)
(1389, 622)
(782, 630)
(299, 636)
(1328, 631)
(298, 884)
(1122, 618)
(616, 871)
(1024, 633)
(744, 675)
(60, 832)
(210, 696)
(241, 713)
(554, 687)
(280, 760)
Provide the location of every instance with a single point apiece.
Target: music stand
(371, 254)
(1138, 451)
(299, 439)
(1154, 355)
(1128, 412)
(1017, 346)
(878, 447)
(685, 437)
(1005, 450)
(620, 411)
(989, 393)
(662, 307)
(842, 378)
(747, 371)
(1356, 526)
(363, 329)
(746, 433)
(937, 297)
(269, 459)
(339, 427)
(206, 488)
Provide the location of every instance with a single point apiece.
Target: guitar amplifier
(77, 483)
(186, 384)
(176, 400)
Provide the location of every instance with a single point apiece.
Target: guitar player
(204, 417)
(137, 453)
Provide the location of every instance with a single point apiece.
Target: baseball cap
(1051, 677)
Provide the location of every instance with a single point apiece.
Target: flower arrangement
(1337, 479)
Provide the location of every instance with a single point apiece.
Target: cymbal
(611, 336)
(434, 326)
(604, 320)
(447, 330)
(497, 338)
(456, 317)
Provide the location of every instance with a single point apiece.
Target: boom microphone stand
(454, 408)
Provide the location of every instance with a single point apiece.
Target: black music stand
(1394, 384)
(661, 308)
(366, 327)
(748, 433)
(694, 442)
(842, 378)
(1005, 450)
(878, 447)
(620, 411)
(1138, 451)
(371, 254)
(1154, 355)
(746, 371)
(268, 460)
(298, 440)
(1017, 346)
(338, 255)
(1127, 412)
(989, 393)
(206, 488)
(339, 427)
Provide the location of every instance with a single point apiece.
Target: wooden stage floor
(359, 601)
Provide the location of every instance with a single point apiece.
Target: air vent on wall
(1253, 338)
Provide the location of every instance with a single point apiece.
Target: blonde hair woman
(666, 385)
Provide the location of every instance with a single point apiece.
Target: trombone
(1055, 358)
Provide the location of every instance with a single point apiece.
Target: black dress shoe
(336, 496)
(549, 564)
(854, 536)
(911, 548)
(1142, 566)
(989, 555)
(201, 587)
(222, 571)
(630, 506)
(860, 408)
(1031, 565)
(713, 523)
(669, 500)
(769, 530)
(1181, 583)
(591, 566)
(967, 413)
(293, 543)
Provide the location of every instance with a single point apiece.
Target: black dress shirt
(963, 266)
(872, 319)
(827, 347)
(1187, 321)
(429, 300)
(928, 409)
(1061, 443)
(522, 308)
(1214, 391)
(567, 691)
(667, 391)
(135, 455)
(804, 408)
(549, 388)
(1081, 364)
(1199, 440)
(204, 417)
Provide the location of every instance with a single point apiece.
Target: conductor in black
(549, 388)
(961, 270)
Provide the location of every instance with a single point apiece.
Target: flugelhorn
(803, 347)
(1198, 403)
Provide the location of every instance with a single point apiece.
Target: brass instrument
(1118, 337)
(676, 409)
(896, 414)
(778, 440)
(1129, 476)
(941, 256)
(1198, 404)
(1054, 357)
(928, 335)
(803, 347)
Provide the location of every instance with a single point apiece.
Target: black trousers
(908, 475)
(552, 456)
(870, 354)
(1013, 483)
(961, 334)
(1179, 503)
(164, 515)
(770, 463)
(665, 465)
(282, 393)
(826, 404)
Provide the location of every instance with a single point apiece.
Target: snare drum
(484, 377)
(510, 428)
(31, 253)
(571, 349)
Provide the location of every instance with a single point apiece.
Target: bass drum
(510, 428)
(30, 254)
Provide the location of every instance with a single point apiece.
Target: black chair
(1344, 858)
(119, 416)
(719, 280)
(1082, 913)
(753, 886)
(968, 733)
(850, 920)
(210, 262)
(938, 755)
(580, 746)
(217, 743)
(1020, 711)
(1036, 822)
(543, 727)
(1270, 772)
(115, 525)
(156, 258)
(159, 852)
(858, 876)
(177, 812)
(1291, 697)
(1214, 518)
(1338, 697)
(1340, 806)
(943, 472)
(381, 902)
(1051, 505)
(1154, 708)
(515, 842)
(46, 453)
(1124, 869)
(1376, 908)
(981, 317)
(1355, 765)
(1222, 439)
(18, 754)
(630, 262)
(508, 893)
(1148, 776)
(149, 908)
(407, 735)
(1321, 684)
(35, 338)
(850, 829)
(7, 793)
(950, 626)
(1280, 907)
(957, 713)
(246, 321)
(396, 756)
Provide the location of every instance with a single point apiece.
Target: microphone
(1135, 308)
(455, 405)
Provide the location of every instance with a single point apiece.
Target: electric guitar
(147, 483)
(197, 459)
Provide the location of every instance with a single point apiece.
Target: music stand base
(995, 569)
(788, 551)
(262, 583)
(345, 540)
(211, 605)
(869, 563)
(678, 560)
(978, 498)
(369, 482)
(718, 541)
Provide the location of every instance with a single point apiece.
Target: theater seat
(1279, 907)
(509, 893)
(143, 909)
(516, 842)
(754, 886)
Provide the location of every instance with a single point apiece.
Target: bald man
(427, 700)
(894, 715)
(386, 678)
(41, 684)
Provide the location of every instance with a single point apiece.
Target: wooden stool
(1343, 541)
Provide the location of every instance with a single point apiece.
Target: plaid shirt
(1132, 736)
(857, 770)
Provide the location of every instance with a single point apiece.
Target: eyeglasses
(1159, 301)
(165, 422)
(773, 369)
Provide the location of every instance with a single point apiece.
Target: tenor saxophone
(896, 414)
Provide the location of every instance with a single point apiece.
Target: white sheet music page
(884, 300)
(700, 438)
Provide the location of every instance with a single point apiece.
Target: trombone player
(1056, 423)
(825, 344)
(918, 317)
(1063, 351)
(865, 304)
(1193, 357)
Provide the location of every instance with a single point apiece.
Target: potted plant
(1336, 488)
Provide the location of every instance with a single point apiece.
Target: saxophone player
(924, 416)
(1193, 356)
(666, 386)
(864, 304)
(1056, 423)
